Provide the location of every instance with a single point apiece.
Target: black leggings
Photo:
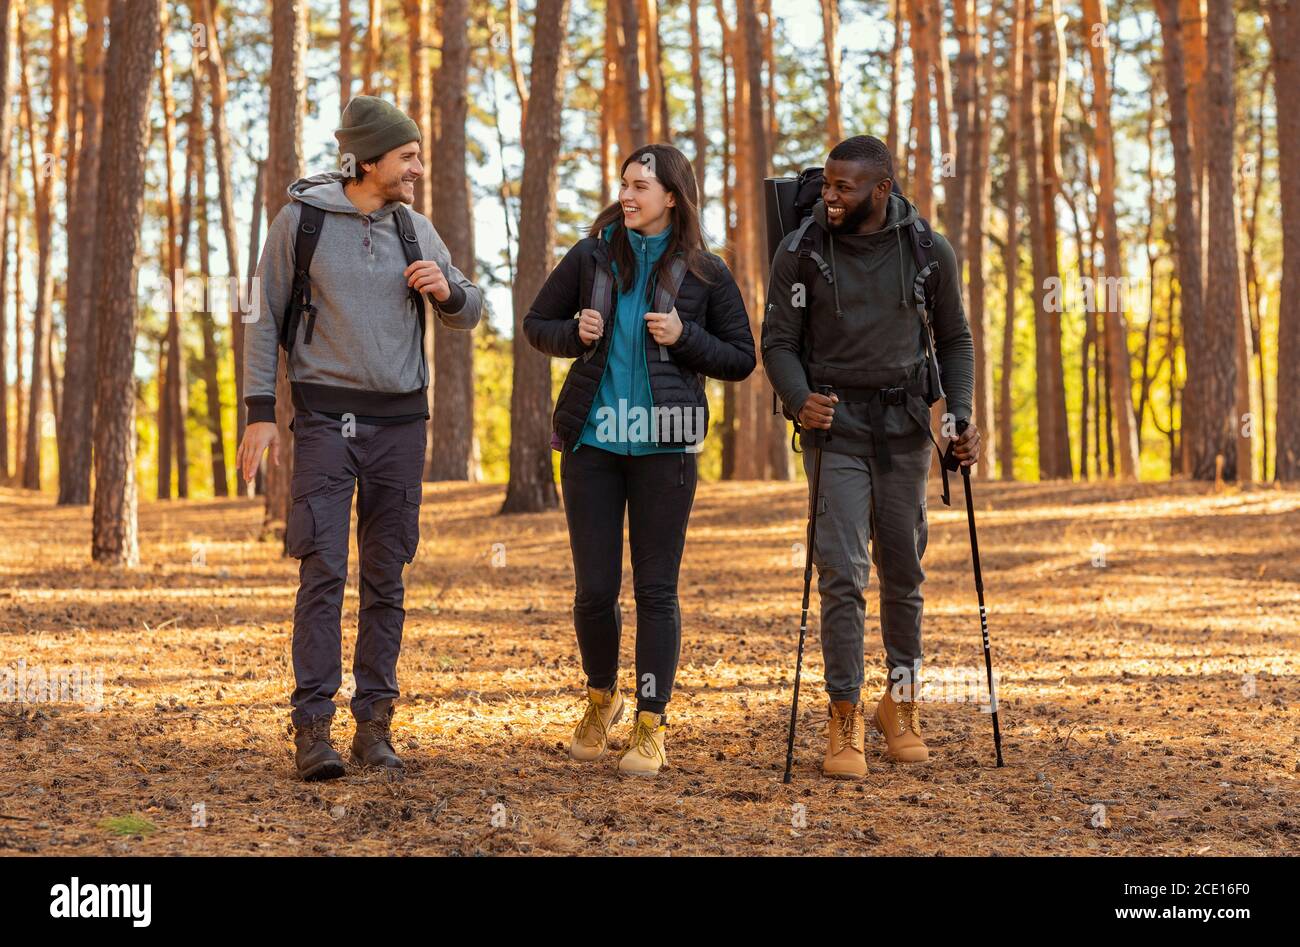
(657, 491)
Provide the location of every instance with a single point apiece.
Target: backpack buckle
(310, 310)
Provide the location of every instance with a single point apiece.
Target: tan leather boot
(900, 724)
(591, 736)
(845, 758)
(644, 754)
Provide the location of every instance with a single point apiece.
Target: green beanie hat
(372, 128)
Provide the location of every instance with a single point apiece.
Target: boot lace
(909, 716)
(849, 727)
(643, 741)
(383, 730)
(592, 718)
(319, 731)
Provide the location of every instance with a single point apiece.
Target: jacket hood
(325, 190)
(899, 215)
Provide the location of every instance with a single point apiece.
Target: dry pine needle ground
(1145, 638)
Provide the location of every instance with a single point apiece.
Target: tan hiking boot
(644, 754)
(900, 724)
(845, 758)
(591, 737)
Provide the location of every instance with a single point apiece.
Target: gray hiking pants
(859, 503)
(386, 463)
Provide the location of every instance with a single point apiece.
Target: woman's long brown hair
(675, 173)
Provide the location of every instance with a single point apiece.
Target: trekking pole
(818, 439)
(950, 461)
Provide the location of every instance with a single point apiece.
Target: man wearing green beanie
(353, 333)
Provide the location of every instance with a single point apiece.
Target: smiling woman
(644, 283)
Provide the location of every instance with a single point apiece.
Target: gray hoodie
(365, 356)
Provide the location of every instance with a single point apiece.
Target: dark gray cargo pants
(861, 504)
(386, 463)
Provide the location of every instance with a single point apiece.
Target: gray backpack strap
(666, 292)
(602, 300)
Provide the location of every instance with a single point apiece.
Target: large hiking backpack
(304, 248)
(788, 204)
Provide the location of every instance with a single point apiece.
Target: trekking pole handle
(820, 437)
(950, 455)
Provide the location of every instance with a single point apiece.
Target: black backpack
(304, 248)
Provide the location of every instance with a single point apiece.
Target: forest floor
(1146, 640)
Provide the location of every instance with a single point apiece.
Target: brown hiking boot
(845, 757)
(900, 723)
(591, 736)
(644, 754)
(373, 743)
(315, 756)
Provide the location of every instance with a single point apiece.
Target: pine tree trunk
(212, 388)
(374, 30)
(532, 482)
(1187, 228)
(1052, 420)
(895, 74)
(221, 152)
(1011, 248)
(175, 405)
(726, 67)
(44, 177)
(629, 23)
(345, 57)
(952, 205)
(831, 40)
(6, 138)
(283, 167)
(978, 183)
(700, 135)
(656, 89)
(20, 333)
(257, 487)
(1216, 449)
(82, 326)
(128, 78)
(418, 75)
(1111, 304)
(958, 189)
(1284, 36)
(920, 182)
(453, 373)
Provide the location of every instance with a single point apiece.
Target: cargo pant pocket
(411, 521)
(306, 513)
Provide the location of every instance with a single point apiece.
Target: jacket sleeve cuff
(454, 303)
(260, 408)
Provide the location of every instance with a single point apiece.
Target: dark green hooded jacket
(864, 330)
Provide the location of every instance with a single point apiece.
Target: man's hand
(427, 277)
(665, 327)
(817, 411)
(967, 447)
(590, 326)
(257, 437)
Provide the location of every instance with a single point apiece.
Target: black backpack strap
(411, 250)
(921, 237)
(310, 221)
(602, 300)
(666, 290)
(809, 244)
